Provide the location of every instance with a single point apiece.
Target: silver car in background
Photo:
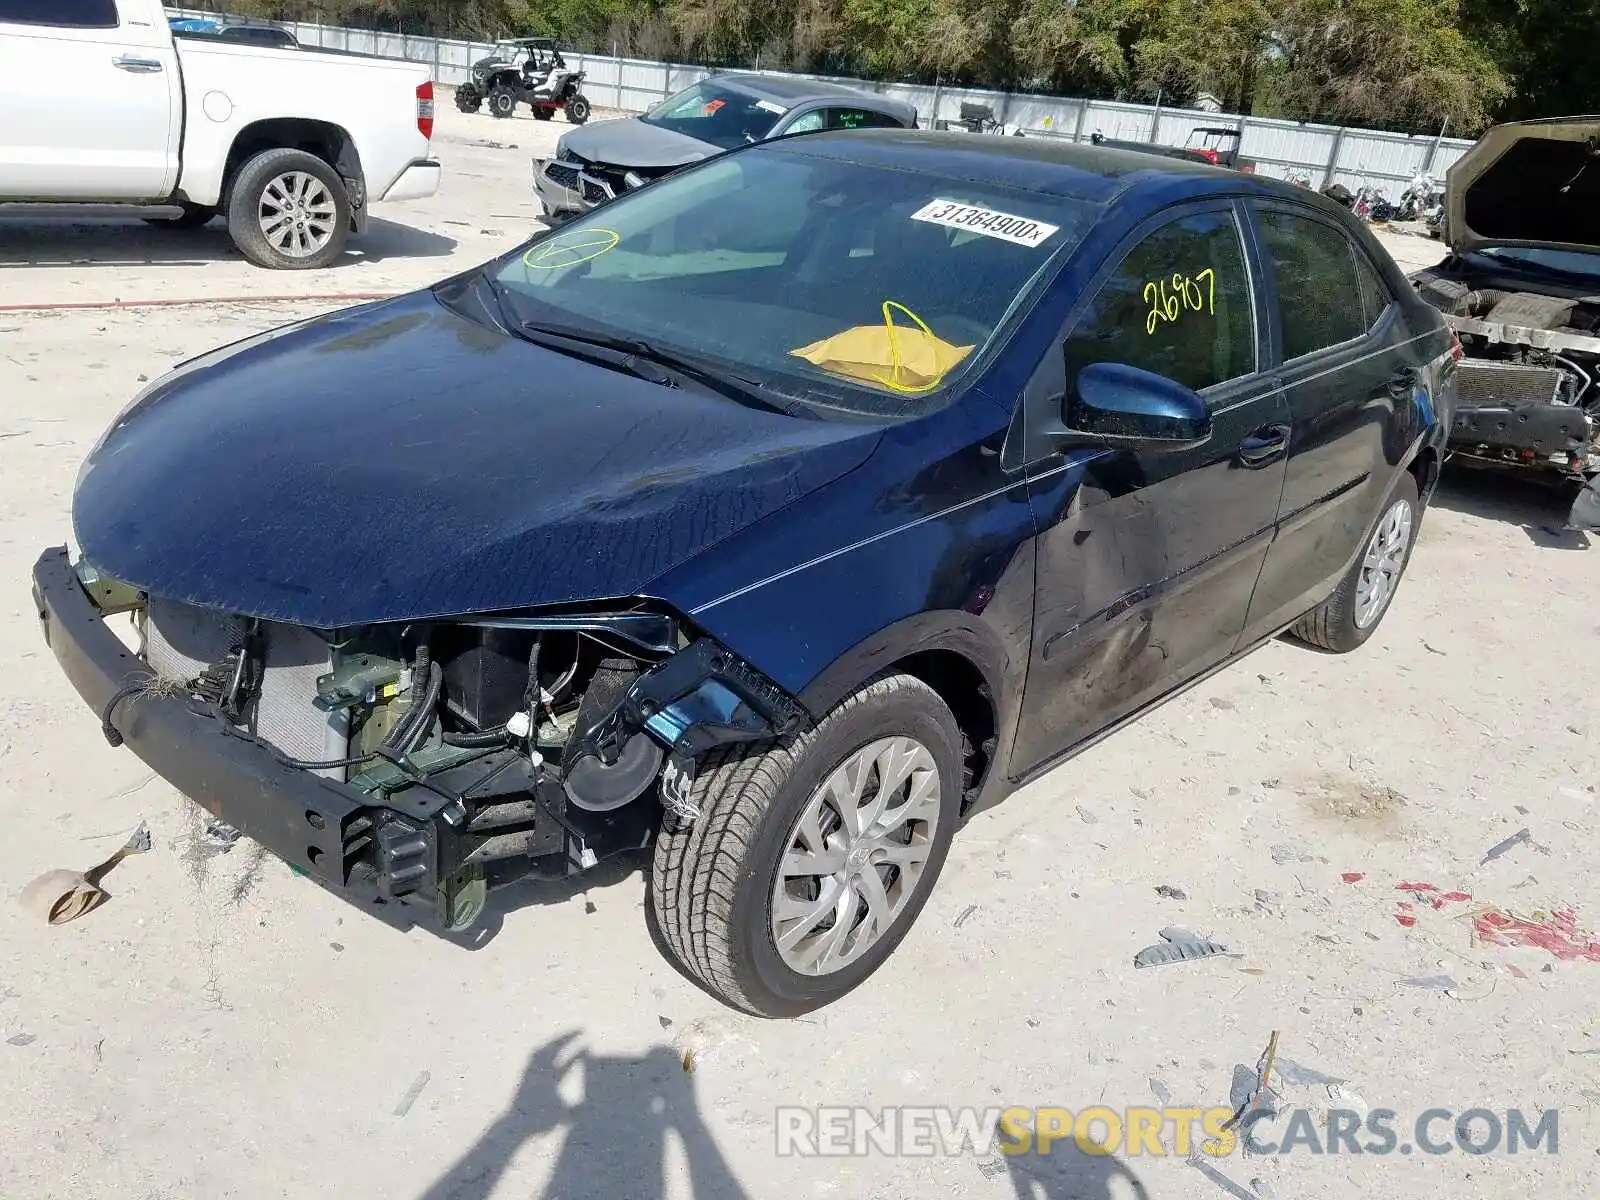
(723, 112)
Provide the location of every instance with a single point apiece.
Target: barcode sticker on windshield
(1008, 227)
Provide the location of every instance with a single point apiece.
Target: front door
(1145, 566)
(90, 97)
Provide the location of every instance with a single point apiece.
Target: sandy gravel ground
(222, 1028)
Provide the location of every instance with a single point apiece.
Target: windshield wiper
(634, 355)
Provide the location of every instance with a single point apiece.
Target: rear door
(1146, 566)
(1350, 364)
(91, 101)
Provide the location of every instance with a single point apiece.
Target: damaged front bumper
(436, 839)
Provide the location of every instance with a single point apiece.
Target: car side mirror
(1127, 407)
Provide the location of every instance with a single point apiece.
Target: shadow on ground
(1067, 1173)
(1537, 506)
(416, 916)
(613, 1141)
(29, 238)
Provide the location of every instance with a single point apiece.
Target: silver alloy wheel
(1380, 568)
(297, 214)
(855, 856)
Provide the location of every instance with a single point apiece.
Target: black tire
(468, 98)
(578, 110)
(541, 113)
(244, 209)
(502, 102)
(193, 216)
(712, 880)
(1332, 624)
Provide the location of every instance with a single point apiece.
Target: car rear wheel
(811, 857)
(578, 110)
(288, 210)
(1346, 619)
(502, 101)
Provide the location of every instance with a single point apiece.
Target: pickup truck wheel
(502, 101)
(1346, 619)
(811, 856)
(288, 210)
(578, 110)
(193, 216)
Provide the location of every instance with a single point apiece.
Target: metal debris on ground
(992, 1168)
(1218, 1178)
(964, 916)
(1161, 1092)
(1176, 949)
(1167, 892)
(1440, 983)
(412, 1092)
(220, 834)
(1088, 817)
(1499, 848)
(21, 1039)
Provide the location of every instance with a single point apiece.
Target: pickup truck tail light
(425, 109)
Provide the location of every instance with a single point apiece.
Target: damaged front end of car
(426, 762)
(1521, 290)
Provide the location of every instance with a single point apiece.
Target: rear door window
(1319, 295)
(860, 118)
(1179, 304)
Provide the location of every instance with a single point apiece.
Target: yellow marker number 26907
(1195, 293)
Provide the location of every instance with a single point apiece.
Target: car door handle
(1264, 445)
(128, 62)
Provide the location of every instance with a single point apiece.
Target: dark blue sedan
(780, 515)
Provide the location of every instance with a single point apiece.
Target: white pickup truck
(102, 104)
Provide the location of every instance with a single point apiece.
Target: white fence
(1320, 154)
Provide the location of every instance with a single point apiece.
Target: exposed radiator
(182, 641)
(1482, 383)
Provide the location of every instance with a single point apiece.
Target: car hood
(399, 461)
(1528, 183)
(630, 142)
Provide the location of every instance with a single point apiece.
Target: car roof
(1047, 165)
(792, 90)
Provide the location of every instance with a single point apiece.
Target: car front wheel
(810, 858)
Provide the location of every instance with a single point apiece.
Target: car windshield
(718, 114)
(1568, 262)
(860, 287)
